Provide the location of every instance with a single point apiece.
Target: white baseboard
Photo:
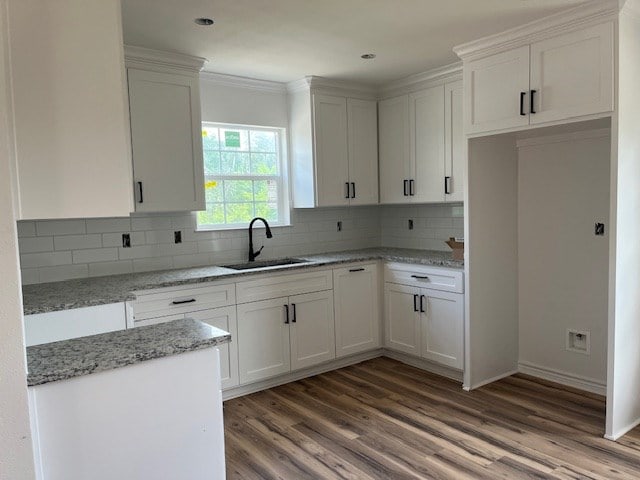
(489, 380)
(424, 365)
(300, 374)
(563, 378)
(623, 431)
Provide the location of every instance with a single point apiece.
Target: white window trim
(284, 200)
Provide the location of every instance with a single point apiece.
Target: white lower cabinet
(357, 308)
(282, 334)
(425, 322)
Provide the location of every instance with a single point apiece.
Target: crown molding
(442, 74)
(337, 86)
(630, 7)
(242, 82)
(146, 56)
(590, 13)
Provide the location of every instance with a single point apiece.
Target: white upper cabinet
(70, 115)
(334, 145)
(331, 150)
(496, 91)
(166, 133)
(422, 148)
(572, 75)
(455, 150)
(426, 131)
(362, 121)
(563, 77)
(393, 134)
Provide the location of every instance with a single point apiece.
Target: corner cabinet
(563, 77)
(334, 146)
(166, 131)
(69, 109)
(422, 146)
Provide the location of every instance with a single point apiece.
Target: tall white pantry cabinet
(562, 80)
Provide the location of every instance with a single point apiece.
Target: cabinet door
(69, 98)
(362, 121)
(454, 143)
(572, 74)
(402, 318)
(393, 140)
(263, 340)
(225, 319)
(166, 141)
(493, 87)
(312, 329)
(357, 308)
(331, 155)
(426, 128)
(442, 321)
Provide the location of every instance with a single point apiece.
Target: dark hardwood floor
(382, 419)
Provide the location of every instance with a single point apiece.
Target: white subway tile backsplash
(95, 245)
(77, 242)
(26, 229)
(48, 259)
(108, 225)
(36, 244)
(95, 255)
(110, 268)
(60, 227)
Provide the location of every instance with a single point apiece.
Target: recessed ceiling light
(204, 21)
(368, 56)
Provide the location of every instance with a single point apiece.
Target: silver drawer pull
(356, 269)
(419, 277)
(180, 302)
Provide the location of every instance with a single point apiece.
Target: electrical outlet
(339, 225)
(410, 223)
(177, 236)
(126, 240)
(578, 341)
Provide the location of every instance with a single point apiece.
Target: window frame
(282, 180)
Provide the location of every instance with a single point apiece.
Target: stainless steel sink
(265, 264)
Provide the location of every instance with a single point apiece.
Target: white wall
(623, 379)
(563, 268)
(491, 267)
(16, 456)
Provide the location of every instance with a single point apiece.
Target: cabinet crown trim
(446, 73)
(243, 82)
(337, 86)
(147, 56)
(590, 13)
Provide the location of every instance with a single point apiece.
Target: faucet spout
(252, 253)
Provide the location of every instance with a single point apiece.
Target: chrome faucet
(252, 254)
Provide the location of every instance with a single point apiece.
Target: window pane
(267, 210)
(265, 190)
(214, 214)
(234, 139)
(213, 191)
(239, 212)
(211, 162)
(210, 138)
(263, 141)
(235, 163)
(264, 164)
(238, 191)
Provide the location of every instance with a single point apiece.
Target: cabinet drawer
(284, 285)
(184, 300)
(435, 278)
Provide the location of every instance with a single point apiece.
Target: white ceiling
(284, 40)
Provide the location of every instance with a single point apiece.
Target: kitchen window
(245, 176)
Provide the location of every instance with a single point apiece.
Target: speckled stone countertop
(51, 362)
(87, 292)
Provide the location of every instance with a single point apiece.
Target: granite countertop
(51, 362)
(87, 292)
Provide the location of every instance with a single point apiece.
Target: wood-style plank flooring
(382, 419)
